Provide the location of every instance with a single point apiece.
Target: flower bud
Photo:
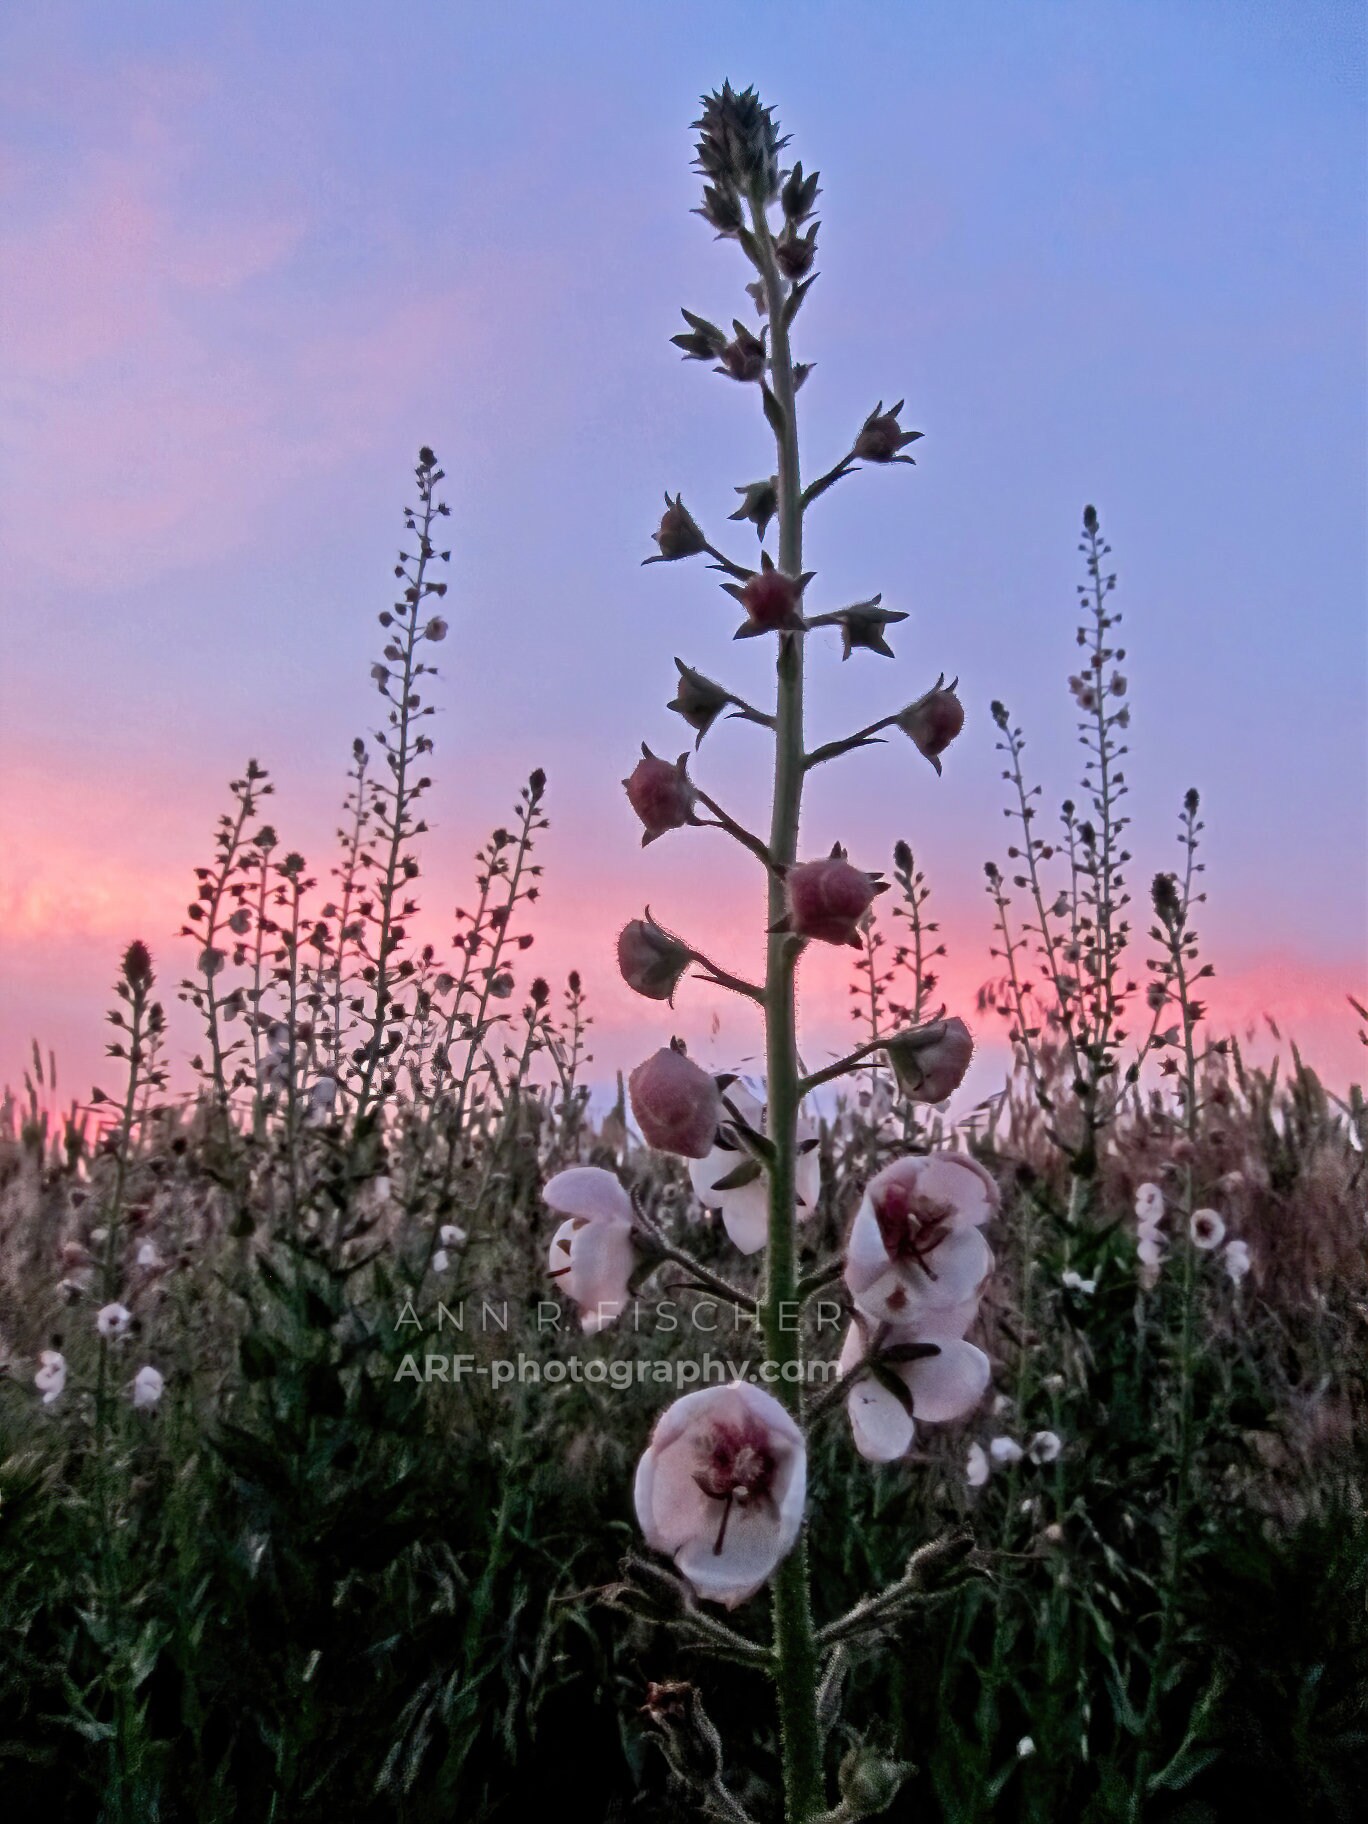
(864, 626)
(882, 438)
(933, 721)
(677, 534)
(827, 899)
(870, 1782)
(794, 252)
(660, 794)
(137, 965)
(651, 961)
(930, 1063)
(738, 143)
(770, 599)
(799, 194)
(744, 357)
(698, 699)
(677, 1105)
(759, 503)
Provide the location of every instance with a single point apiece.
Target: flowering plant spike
(722, 1484)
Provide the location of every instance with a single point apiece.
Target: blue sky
(251, 257)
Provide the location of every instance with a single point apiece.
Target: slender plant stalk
(795, 1647)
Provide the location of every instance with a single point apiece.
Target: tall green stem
(795, 1647)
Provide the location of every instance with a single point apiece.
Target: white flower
(147, 1388)
(940, 1388)
(592, 1250)
(441, 1260)
(721, 1488)
(1025, 1748)
(451, 1235)
(977, 1468)
(1149, 1206)
(113, 1320)
(1053, 1383)
(147, 1255)
(744, 1201)
(915, 1245)
(1237, 1259)
(1044, 1447)
(1151, 1251)
(1002, 1402)
(1206, 1229)
(1005, 1450)
(51, 1376)
(1075, 1282)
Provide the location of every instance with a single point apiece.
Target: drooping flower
(1025, 1748)
(933, 721)
(676, 1104)
(113, 1320)
(651, 961)
(827, 899)
(937, 1388)
(1236, 1259)
(451, 1235)
(930, 1063)
(147, 1388)
(977, 1468)
(721, 1488)
(1044, 1447)
(147, 1256)
(732, 1180)
(915, 1246)
(1005, 1451)
(660, 794)
(1207, 1230)
(592, 1255)
(50, 1378)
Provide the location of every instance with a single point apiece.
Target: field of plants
(343, 1395)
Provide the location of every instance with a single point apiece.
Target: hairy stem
(795, 1648)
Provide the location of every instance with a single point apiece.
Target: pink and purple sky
(251, 257)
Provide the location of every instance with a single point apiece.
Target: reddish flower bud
(827, 899)
(933, 721)
(678, 535)
(930, 1064)
(770, 599)
(660, 794)
(677, 1105)
(651, 961)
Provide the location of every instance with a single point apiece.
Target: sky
(252, 257)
